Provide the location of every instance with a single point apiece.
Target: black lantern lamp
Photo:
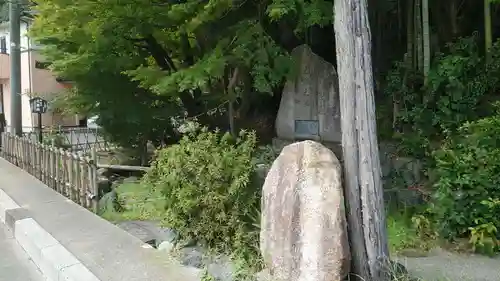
(39, 106)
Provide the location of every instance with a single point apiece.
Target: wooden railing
(71, 174)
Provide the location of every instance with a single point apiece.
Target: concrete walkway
(47, 219)
(445, 266)
(15, 265)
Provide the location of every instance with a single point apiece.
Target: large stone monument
(309, 107)
(303, 224)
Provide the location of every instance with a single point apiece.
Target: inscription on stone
(306, 128)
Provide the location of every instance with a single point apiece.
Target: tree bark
(363, 184)
(231, 96)
(410, 35)
(426, 38)
(418, 35)
(453, 9)
(487, 29)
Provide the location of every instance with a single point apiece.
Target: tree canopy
(167, 59)
(185, 59)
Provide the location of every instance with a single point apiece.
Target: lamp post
(39, 106)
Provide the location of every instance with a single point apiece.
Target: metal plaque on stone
(306, 129)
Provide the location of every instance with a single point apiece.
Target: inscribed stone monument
(309, 107)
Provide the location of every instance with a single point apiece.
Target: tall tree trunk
(231, 95)
(410, 35)
(230, 113)
(453, 8)
(363, 184)
(409, 60)
(418, 35)
(400, 22)
(426, 39)
(487, 28)
(246, 94)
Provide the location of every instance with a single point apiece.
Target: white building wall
(26, 76)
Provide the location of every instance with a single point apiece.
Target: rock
(221, 268)
(410, 169)
(166, 246)
(108, 202)
(103, 186)
(303, 225)
(135, 228)
(399, 174)
(309, 107)
(149, 232)
(191, 256)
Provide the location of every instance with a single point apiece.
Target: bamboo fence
(73, 175)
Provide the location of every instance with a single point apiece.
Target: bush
(56, 139)
(468, 182)
(460, 88)
(207, 183)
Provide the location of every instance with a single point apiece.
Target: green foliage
(266, 155)
(462, 158)
(207, 184)
(160, 61)
(483, 238)
(85, 46)
(459, 86)
(308, 13)
(400, 234)
(56, 139)
(468, 180)
(410, 235)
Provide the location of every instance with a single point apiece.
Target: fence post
(39, 160)
(57, 164)
(2, 143)
(71, 176)
(62, 165)
(16, 151)
(93, 177)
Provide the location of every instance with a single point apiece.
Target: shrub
(266, 155)
(460, 87)
(207, 183)
(468, 181)
(56, 139)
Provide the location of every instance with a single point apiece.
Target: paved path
(110, 253)
(14, 262)
(445, 266)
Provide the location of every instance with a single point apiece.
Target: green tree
(171, 58)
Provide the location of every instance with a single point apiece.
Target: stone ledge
(51, 258)
(6, 204)
(69, 242)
